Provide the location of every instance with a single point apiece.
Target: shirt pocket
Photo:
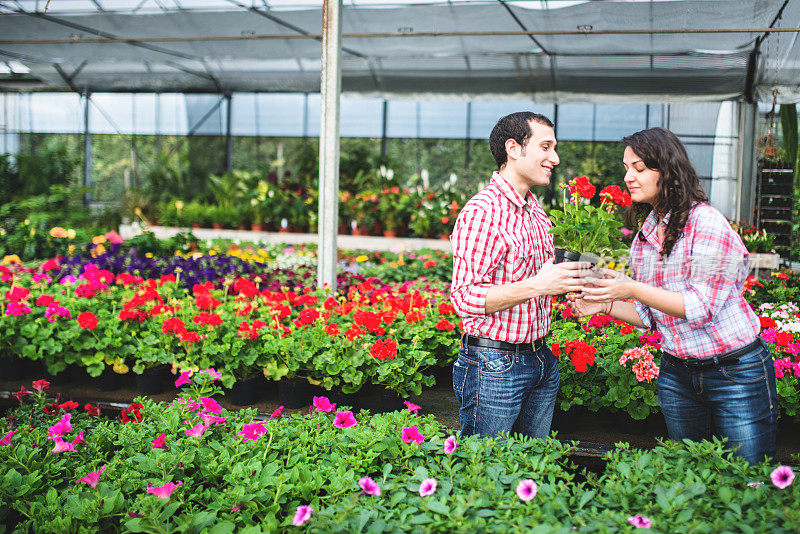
(521, 261)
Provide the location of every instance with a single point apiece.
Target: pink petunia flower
(78, 439)
(322, 404)
(40, 385)
(412, 407)
(277, 413)
(640, 521)
(236, 508)
(782, 476)
(450, 445)
(527, 489)
(194, 406)
(211, 406)
(62, 446)
(427, 487)
(253, 431)
(196, 431)
(369, 486)
(61, 428)
(412, 434)
(92, 478)
(344, 419)
(163, 492)
(211, 419)
(6, 440)
(160, 442)
(302, 515)
(183, 379)
(214, 374)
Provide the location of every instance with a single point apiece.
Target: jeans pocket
(460, 373)
(494, 362)
(748, 372)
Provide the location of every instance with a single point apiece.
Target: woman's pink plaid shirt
(708, 266)
(500, 238)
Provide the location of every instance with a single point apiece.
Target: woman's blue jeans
(738, 401)
(505, 391)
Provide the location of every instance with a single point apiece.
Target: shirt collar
(510, 193)
(649, 229)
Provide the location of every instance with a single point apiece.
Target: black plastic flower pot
(628, 425)
(244, 391)
(151, 381)
(12, 368)
(58, 379)
(268, 388)
(564, 422)
(443, 375)
(340, 398)
(391, 401)
(294, 392)
(563, 255)
(369, 397)
(108, 380)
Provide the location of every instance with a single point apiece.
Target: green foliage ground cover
(228, 479)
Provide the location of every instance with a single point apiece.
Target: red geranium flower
(173, 325)
(332, 329)
(444, 324)
(92, 410)
(383, 349)
(581, 353)
(87, 320)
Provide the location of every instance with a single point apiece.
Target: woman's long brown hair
(679, 187)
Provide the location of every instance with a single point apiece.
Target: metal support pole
(746, 172)
(467, 141)
(228, 136)
(384, 121)
(87, 149)
(331, 88)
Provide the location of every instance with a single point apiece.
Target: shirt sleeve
(717, 267)
(477, 251)
(645, 315)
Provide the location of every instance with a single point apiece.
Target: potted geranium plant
(582, 227)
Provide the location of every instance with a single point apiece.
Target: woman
(689, 267)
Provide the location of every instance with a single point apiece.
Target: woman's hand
(583, 308)
(605, 285)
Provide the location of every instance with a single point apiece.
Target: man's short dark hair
(515, 126)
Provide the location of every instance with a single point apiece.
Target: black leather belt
(723, 359)
(475, 341)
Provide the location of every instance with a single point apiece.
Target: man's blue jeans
(505, 391)
(738, 401)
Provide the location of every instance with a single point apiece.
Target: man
(506, 378)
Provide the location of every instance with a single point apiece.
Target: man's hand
(584, 308)
(558, 278)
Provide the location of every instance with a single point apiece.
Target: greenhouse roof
(547, 50)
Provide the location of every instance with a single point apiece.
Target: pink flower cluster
(17, 309)
(785, 366)
(60, 429)
(644, 367)
(653, 339)
(55, 310)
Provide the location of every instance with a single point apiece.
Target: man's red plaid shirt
(500, 238)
